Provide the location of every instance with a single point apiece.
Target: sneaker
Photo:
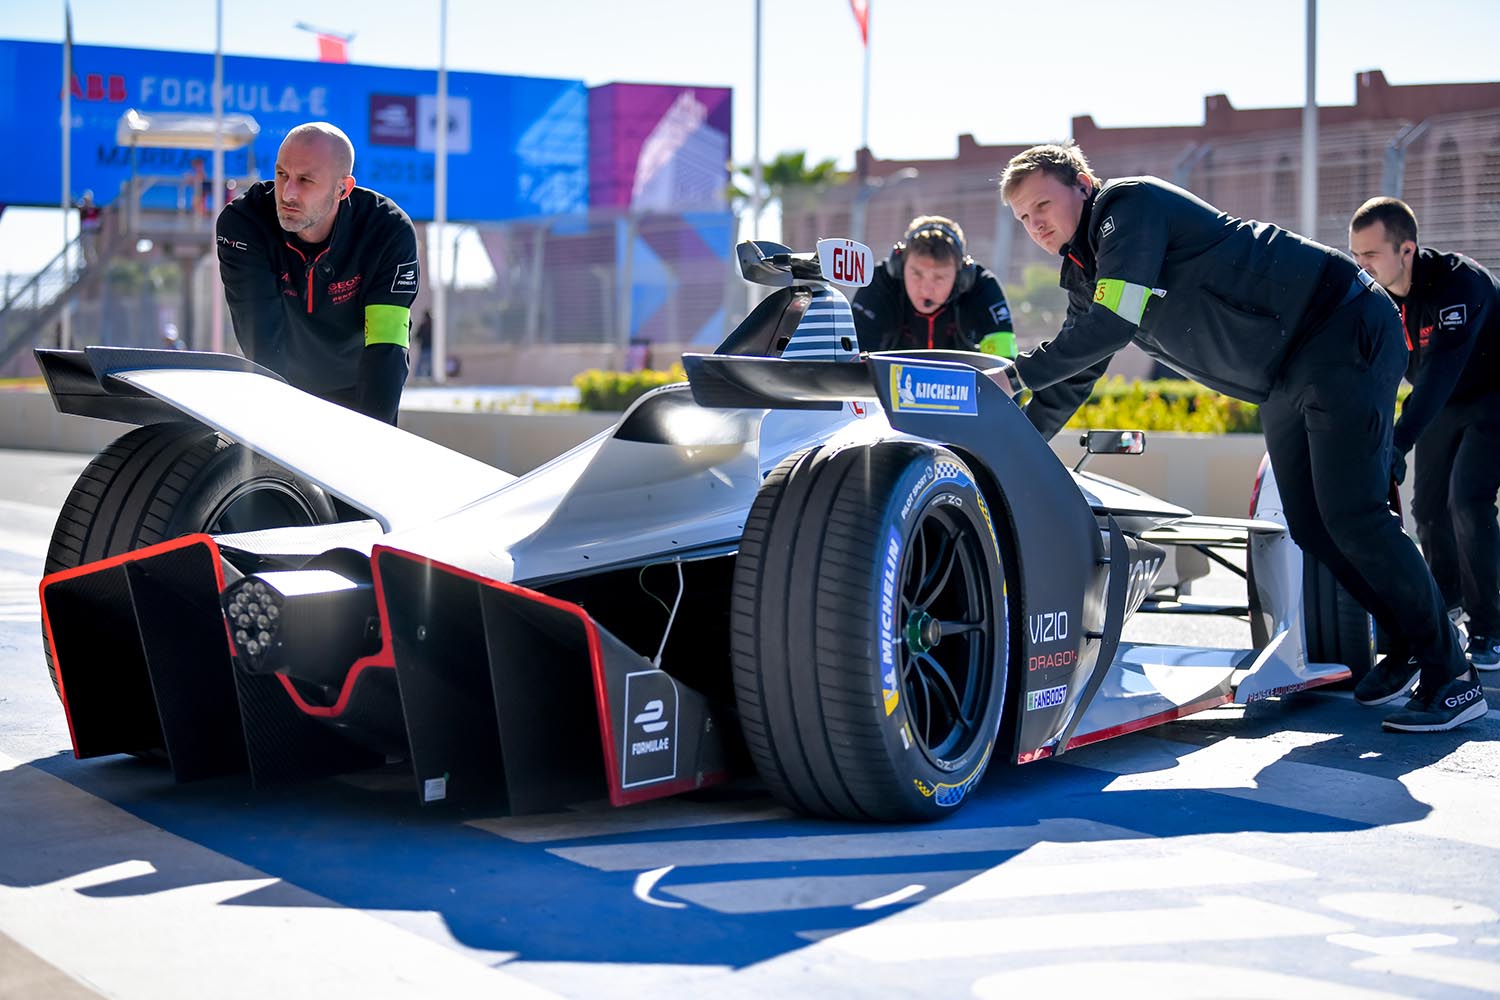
(1484, 651)
(1460, 700)
(1388, 680)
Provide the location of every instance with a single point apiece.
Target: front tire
(870, 632)
(162, 481)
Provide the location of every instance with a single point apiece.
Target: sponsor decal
(1048, 626)
(406, 278)
(649, 741)
(98, 87)
(918, 389)
(1046, 698)
(435, 789)
(343, 291)
(1049, 661)
(890, 692)
(393, 120)
(918, 487)
(1465, 697)
(1277, 692)
(1000, 312)
(845, 261)
(984, 511)
(949, 795)
(1423, 335)
(1142, 575)
(858, 409)
(1453, 317)
(1106, 227)
(225, 241)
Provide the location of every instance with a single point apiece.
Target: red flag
(333, 49)
(861, 10)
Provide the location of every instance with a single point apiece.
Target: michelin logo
(934, 390)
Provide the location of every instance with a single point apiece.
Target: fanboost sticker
(1046, 697)
(918, 389)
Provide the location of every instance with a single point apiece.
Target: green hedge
(609, 390)
(1171, 405)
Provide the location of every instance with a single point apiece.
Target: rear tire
(870, 633)
(1339, 629)
(162, 481)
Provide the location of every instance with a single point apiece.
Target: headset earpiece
(968, 271)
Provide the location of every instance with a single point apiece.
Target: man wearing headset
(320, 275)
(1450, 307)
(929, 294)
(1267, 316)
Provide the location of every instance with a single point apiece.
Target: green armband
(387, 325)
(1001, 345)
(1124, 299)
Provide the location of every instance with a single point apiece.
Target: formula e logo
(1106, 227)
(1049, 626)
(648, 743)
(1463, 699)
(406, 278)
(650, 719)
(1000, 312)
(1046, 697)
(1453, 316)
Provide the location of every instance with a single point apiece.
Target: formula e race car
(865, 576)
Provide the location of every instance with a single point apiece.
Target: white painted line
(1410, 908)
(890, 898)
(1162, 981)
(645, 881)
(921, 842)
(1447, 970)
(603, 820)
(1395, 945)
(1216, 918)
(1176, 868)
(810, 892)
(239, 947)
(1439, 800)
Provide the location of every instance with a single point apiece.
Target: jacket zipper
(308, 267)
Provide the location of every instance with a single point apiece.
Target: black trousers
(1456, 474)
(1328, 432)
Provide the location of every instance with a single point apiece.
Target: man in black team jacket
(1450, 307)
(320, 275)
(1266, 316)
(929, 294)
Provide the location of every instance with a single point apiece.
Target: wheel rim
(258, 504)
(949, 635)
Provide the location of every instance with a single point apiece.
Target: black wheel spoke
(933, 582)
(959, 628)
(946, 691)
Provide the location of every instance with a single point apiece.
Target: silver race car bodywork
(582, 629)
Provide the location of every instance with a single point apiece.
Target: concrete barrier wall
(1208, 474)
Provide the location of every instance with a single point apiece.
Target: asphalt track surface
(1288, 850)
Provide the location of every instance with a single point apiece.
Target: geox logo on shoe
(1463, 699)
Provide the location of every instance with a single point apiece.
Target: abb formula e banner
(518, 146)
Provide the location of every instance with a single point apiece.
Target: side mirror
(1113, 442)
(1110, 443)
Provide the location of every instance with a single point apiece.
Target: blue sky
(1002, 70)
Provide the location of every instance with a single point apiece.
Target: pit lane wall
(1208, 474)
